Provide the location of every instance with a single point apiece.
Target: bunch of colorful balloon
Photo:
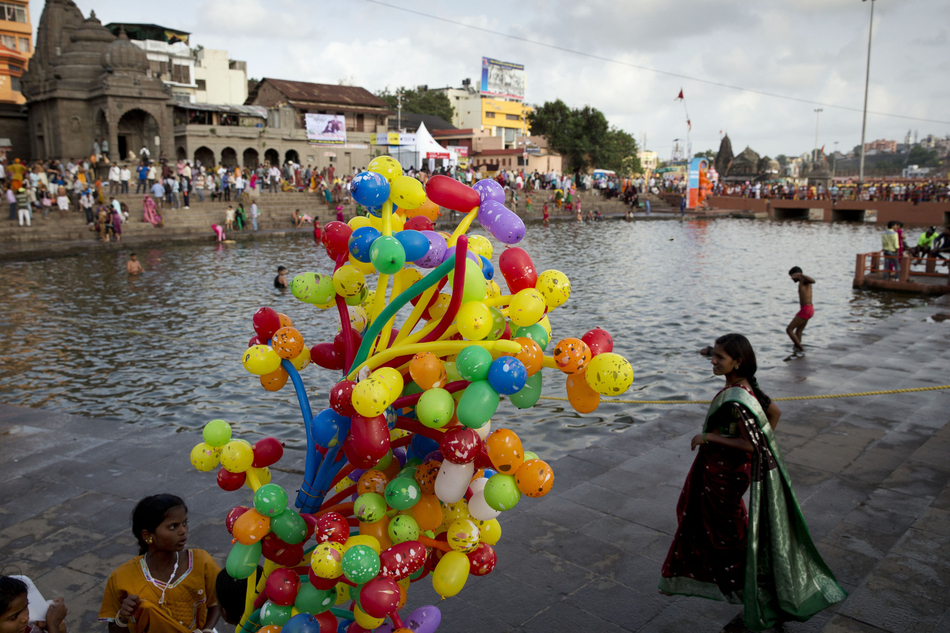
(406, 446)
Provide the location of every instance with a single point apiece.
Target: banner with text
(502, 79)
(396, 138)
(326, 129)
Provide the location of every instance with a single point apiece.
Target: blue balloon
(360, 242)
(375, 211)
(487, 269)
(391, 417)
(489, 472)
(414, 243)
(329, 428)
(344, 624)
(302, 623)
(507, 375)
(369, 189)
(421, 446)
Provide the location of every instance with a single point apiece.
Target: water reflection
(79, 335)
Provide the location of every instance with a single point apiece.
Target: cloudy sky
(810, 50)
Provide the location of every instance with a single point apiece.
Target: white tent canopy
(416, 157)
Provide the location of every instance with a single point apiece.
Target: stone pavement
(871, 474)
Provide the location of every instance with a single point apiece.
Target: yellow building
(16, 47)
(507, 119)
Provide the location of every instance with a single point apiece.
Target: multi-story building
(169, 56)
(648, 162)
(881, 145)
(218, 78)
(500, 117)
(16, 48)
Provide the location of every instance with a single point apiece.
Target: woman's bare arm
(773, 413)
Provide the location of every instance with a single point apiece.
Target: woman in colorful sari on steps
(764, 559)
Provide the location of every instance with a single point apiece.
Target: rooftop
(304, 92)
(152, 32)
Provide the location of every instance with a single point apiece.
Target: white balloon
(453, 480)
(478, 485)
(479, 508)
(484, 430)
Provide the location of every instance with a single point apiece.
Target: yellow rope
(786, 399)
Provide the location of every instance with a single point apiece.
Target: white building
(466, 105)
(915, 171)
(648, 161)
(219, 79)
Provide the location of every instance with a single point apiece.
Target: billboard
(396, 138)
(502, 79)
(697, 182)
(326, 129)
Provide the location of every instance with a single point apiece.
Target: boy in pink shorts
(807, 311)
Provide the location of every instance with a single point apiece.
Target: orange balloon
(251, 527)
(425, 476)
(401, 604)
(372, 481)
(505, 450)
(284, 320)
(392, 470)
(531, 355)
(579, 393)
(273, 628)
(427, 512)
(427, 371)
(275, 380)
(571, 355)
(535, 478)
(287, 342)
(378, 530)
(427, 209)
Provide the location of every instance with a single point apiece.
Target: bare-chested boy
(133, 267)
(797, 326)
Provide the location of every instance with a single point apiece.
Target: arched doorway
(251, 158)
(272, 157)
(229, 157)
(181, 154)
(292, 156)
(138, 129)
(204, 156)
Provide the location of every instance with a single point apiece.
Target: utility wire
(647, 68)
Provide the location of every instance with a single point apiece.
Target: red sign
(445, 155)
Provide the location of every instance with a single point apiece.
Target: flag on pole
(680, 97)
(690, 124)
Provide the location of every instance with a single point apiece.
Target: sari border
(684, 586)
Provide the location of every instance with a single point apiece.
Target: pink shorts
(806, 312)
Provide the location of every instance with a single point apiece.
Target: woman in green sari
(240, 217)
(764, 559)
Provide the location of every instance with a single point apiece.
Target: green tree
(708, 155)
(419, 102)
(782, 160)
(922, 156)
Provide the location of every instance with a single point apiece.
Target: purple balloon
(422, 620)
(433, 456)
(501, 222)
(400, 454)
(450, 254)
(436, 254)
(489, 189)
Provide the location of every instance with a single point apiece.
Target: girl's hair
(739, 348)
(149, 514)
(10, 589)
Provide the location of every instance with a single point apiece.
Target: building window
(181, 74)
(182, 97)
(9, 41)
(202, 84)
(12, 13)
(489, 115)
(159, 69)
(24, 45)
(512, 117)
(359, 122)
(15, 84)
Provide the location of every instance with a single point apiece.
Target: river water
(78, 335)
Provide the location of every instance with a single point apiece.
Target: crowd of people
(930, 244)
(895, 191)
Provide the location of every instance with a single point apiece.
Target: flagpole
(864, 117)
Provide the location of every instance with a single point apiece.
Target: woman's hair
(149, 514)
(739, 348)
(10, 589)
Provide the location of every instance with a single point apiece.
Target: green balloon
(274, 614)
(529, 394)
(410, 388)
(402, 493)
(498, 324)
(384, 461)
(216, 433)
(360, 564)
(356, 300)
(478, 404)
(409, 470)
(473, 363)
(530, 455)
(312, 600)
(403, 528)
(289, 527)
(387, 254)
(369, 507)
(536, 333)
(413, 462)
(242, 560)
(451, 371)
(435, 408)
(270, 500)
(474, 289)
(501, 492)
(313, 288)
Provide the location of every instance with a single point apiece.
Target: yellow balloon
(408, 276)
(474, 320)
(327, 560)
(358, 318)
(452, 512)
(260, 360)
(326, 306)
(490, 532)
(363, 539)
(386, 166)
(263, 474)
(450, 574)
(375, 222)
(391, 378)
(204, 457)
(546, 324)
(364, 267)
(526, 307)
(492, 289)
(348, 281)
(441, 306)
(358, 222)
(301, 360)
(555, 287)
(364, 620)
(480, 245)
(406, 192)
(342, 593)
(371, 397)
(398, 222)
(463, 535)
(237, 456)
(609, 374)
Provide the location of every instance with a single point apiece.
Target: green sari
(782, 576)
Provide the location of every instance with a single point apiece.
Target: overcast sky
(813, 50)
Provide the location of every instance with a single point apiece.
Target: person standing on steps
(807, 311)
(254, 213)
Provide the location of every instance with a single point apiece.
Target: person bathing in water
(807, 311)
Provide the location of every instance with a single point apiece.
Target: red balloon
(419, 223)
(507, 334)
(233, 516)
(267, 452)
(482, 460)
(332, 526)
(368, 441)
(341, 398)
(599, 341)
(518, 269)
(482, 560)
(322, 583)
(379, 597)
(324, 355)
(340, 345)
(282, 586)
(266, 322)
(336, 238)
(281, 553)
(254, 341)
(451, 194)
(402, 559)
(460, 445)
(327, 621)
(352, 628)
(230, 481)
(311, 522)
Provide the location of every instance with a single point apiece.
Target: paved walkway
(871, 474)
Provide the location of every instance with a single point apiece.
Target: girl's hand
(696, 441)
(57, 611)
(129, 606)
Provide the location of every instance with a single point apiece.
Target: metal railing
(902, 268)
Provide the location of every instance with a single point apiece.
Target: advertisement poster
(697, 182)
(502, 79)
(396, 138)
(326, 129)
